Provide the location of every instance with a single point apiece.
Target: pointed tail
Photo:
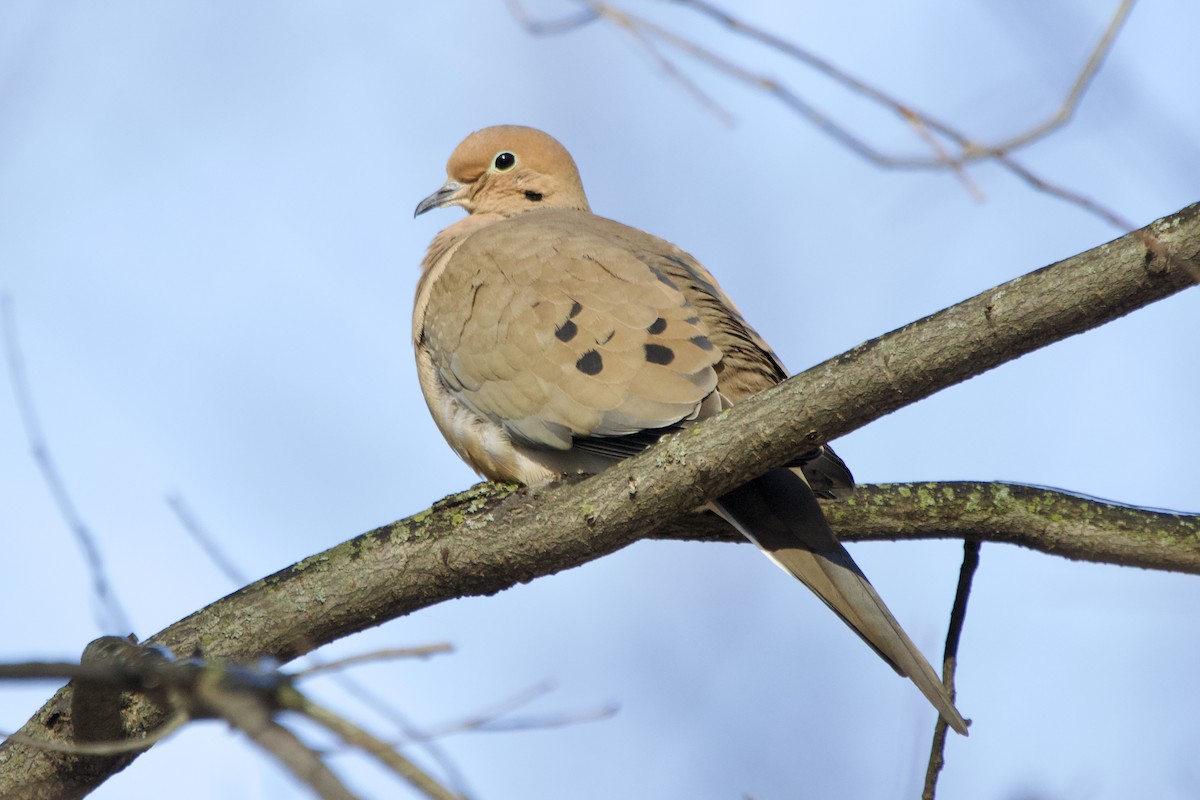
(780, 514)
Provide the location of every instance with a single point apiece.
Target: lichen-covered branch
(1049, 521)
(491, 538)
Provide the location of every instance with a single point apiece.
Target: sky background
(206, 234)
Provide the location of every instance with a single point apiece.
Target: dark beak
(442, 197)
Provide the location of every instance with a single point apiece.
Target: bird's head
(507, 170)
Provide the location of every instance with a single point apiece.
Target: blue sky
(206, 233)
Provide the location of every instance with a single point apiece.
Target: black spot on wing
(566, 332)
(703, 342)
(590, 363)
(658, 354)
(658, 326)
(575, 309)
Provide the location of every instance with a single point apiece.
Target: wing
(748, 364)
(551, 327)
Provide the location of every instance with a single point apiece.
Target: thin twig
(377, 655)
(408, 729)
(348, 683)
(958, 616)
(959, 169)
(548, 27)
(257, 721)
(192, 526)
(245, 698)
(1071, 102)
(923, 123)
(540, 722)
(172, 724)
(833, 72)
(972, 150)
(634, 29)
(1082, 201)
(355, 736)
(111, 616)
(489, 721)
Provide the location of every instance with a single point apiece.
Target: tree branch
(491, 538)
(1053, 522)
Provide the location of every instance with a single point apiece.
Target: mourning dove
(552, 341)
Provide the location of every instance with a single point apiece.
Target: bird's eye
(505, 161)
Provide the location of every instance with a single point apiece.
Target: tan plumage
(550, 341)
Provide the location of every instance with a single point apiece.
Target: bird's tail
(780, 514)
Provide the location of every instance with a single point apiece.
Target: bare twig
(490, 720)
(549, 27)
(960, 170)
(1061, 192)
(172, 724)
(378, 655)
(407, 728)
(1071, 102)
(958, 617)
(924, 124)
(111, 616)
(257, 720)
(348, 683)
(247, 697)
(645, 39)
(971, 150)
(539, 722)
(191, 525)
(356, 737)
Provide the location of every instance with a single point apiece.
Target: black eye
(505, 161)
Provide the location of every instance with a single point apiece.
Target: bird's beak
(444, 196)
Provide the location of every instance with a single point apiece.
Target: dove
(552, 341)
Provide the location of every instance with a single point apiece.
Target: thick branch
(487, 540)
